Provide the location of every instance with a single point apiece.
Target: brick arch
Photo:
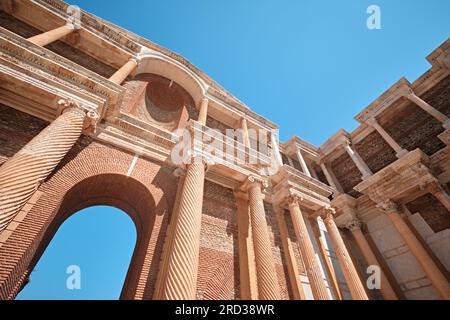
(92, 174)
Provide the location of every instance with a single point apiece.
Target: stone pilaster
(182, 266)
(312, 266)
(48, 37)
(22, 174)
(348, 269)
(437, 278)
(268, 287)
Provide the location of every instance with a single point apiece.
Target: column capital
(434, 187)
(294, 200)
(388, 206)
(354, 224)
(91, 115)
(326, 213)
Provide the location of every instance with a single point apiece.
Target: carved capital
(372, 121)
(252, 181)
(353, 225)
(91, 115)
(326, 213)
(434, 188)
(388, 206)
(294, 200)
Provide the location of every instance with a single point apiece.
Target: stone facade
(87, 117)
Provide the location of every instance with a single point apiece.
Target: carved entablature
(333, 143)
(34, 79)
(295, 144)
(290, 182)
(406, 176)
(441, 56)
(400, 89)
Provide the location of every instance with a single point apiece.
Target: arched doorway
(91, 266)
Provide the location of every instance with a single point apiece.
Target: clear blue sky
(309, 66)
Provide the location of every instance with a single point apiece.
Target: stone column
(312, 267)
(182, 267)
(303, 163)
(359, 162)
(268, 287)
(332, 181)
(400, 152)
(48, 37)
(276, 149)
(439, 116)
(203, 113)
(355, 228)
(246, 137)
(422, 256)
(348, 269)
(436, 190)
(21, 175)
(120, 75)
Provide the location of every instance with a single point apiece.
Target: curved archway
(88, 257)
(126, 194)
(162, 66)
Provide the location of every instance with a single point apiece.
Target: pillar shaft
(439, 116)
(332, 181)
(359, 162)
(312, 267)
(48, 37)
(22, 174)
(276, 149)
(348, 269)
(422, 256)
(302, 161)
(268, 287)
(386, 136)
(120, 75)
(203, 113)
(386, 289)
(438, 191)
(246, 137)
(181, 282)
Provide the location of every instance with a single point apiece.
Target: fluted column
(120, 75)
(181, 281)
(348, 269)
(439, 116)
(355, 228)
(400, 152)
(22, 174)
(268, 287)
(203, 113)
(422, 256)
(48, 37)
(359, 162)
(312, 267)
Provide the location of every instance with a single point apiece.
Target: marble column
(120, 75)
(268, 287)
(437, 278)
(359, 162)
(348, 269)
(302, 162)
(355, 228)
(312, 266)
(439, 193)
(48, 37)
(400, 152)
(21, 175)
(203, 112)
(182, 266)
(439, 116)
